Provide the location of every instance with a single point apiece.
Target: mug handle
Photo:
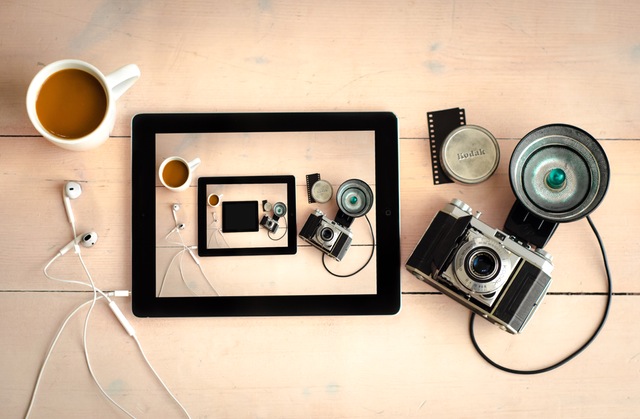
(122, 79)
(194, 163)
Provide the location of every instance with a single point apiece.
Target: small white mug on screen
(176, 173)
(214, 200)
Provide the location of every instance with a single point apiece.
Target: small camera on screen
(334, 237)
(271, 223)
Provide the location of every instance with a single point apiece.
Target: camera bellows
(559, 172)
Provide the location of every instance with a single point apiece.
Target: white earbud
(175, 208)
(72, 190)
(87, 240)
(179, 226)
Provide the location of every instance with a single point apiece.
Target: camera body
(269, 223)
(279, 210)
(333, 238)
(488, 271)
(327, 235)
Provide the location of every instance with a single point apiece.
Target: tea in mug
(71, 104)
(175, 173)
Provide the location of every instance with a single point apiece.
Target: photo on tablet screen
(246, 215)
(274, 221)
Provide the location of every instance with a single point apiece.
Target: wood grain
(512, 65)
(414, 364)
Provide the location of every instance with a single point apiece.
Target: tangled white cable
(185, 249)
(88, 240)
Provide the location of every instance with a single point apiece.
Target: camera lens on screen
(355, 198)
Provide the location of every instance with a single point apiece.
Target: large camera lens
(482, 264)
(355, 198)
(326, 234)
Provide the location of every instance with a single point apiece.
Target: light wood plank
(513, 66)
(105, 208)
(414, 364)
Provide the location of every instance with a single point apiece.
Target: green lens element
(556, 178)
(354, 199)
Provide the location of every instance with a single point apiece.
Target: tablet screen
(253, 232)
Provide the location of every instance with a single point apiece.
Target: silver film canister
(470, 154)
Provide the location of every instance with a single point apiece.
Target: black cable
(373, 247)
(579, 350)
(286, 227)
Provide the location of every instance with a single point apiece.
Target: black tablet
(259, 214)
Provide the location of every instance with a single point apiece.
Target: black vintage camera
(484, 269)
(271, 224)
(333, 237)
(327, 235)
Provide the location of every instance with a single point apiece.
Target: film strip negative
(318, 190)
(441, 123)
(311, 179)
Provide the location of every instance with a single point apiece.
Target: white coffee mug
(176, 173)
(214, 199)
(114, 85)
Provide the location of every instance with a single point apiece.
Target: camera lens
(326, 234)
(355, 198)
(482, 265)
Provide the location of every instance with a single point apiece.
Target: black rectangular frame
(291, 247)
(386, 300)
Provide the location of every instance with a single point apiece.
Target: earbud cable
(215, 230)
(131, 333)
(197, 262)
(373, 248)
(181, 253)
(54, 342)
(70, 281)
(184, 410)
(84, 338)
(579, 350)
(92, 303)
(285, 229)
(180, 269)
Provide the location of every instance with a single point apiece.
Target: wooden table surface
(512, 65)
